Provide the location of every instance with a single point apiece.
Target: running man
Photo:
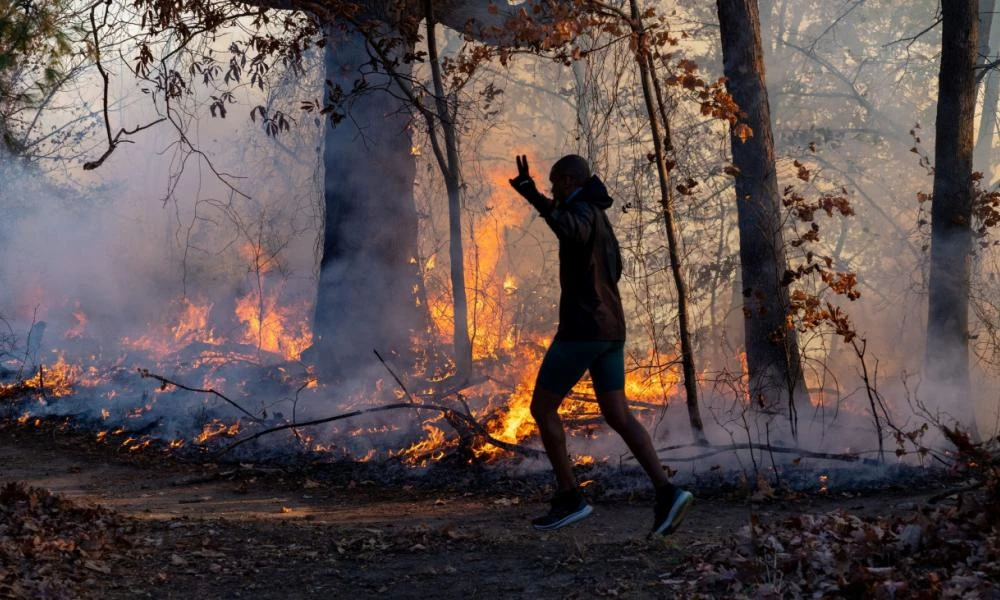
(591, 336)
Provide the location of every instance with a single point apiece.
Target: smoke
(109, 248)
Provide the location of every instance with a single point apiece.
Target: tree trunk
(773, 358)
(947, 354)
(587, 143)
(982, 159)
(368, 271)
(662, 144)
(451, 170)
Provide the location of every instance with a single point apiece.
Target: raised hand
(525, 186)
(523, 176)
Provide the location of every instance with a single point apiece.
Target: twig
(913, 38)
(969, 488)
(713, 450)
(870, 390)
(144, 373)
(113, 141)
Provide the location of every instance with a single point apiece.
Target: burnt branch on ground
(451, 415)
(15, 391)
(465, 424)
(714, 450)
(164, 382)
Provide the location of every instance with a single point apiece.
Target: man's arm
(573, 222)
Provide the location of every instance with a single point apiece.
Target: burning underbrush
(193, 385)
(188, 389)
(226, 380)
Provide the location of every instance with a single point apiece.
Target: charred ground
(180, 527)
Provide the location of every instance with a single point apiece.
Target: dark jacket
(590, 265)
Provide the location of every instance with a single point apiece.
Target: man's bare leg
(614, 407)
(545, 410)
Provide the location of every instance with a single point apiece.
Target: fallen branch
(531, 452)
(455, 418)
(953, 491)
(466, 423)
(713, 450)
(217, 475)
(144, 373)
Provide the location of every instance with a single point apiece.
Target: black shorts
(566, 361)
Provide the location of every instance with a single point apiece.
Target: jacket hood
(594, 191)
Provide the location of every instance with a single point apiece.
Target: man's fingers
(522, 165)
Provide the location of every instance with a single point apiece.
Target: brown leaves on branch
(712, 96)
(743, 131)
(985, 210)
(805, 211)
(806, 310)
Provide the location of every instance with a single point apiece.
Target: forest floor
(174, 528)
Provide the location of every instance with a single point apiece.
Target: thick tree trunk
(368, 271)
(773, 358)
(947, 354)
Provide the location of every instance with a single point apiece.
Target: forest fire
(271, 327)
(218, 351)
(215, 219)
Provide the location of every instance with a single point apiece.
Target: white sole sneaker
(678, 510)
(569, 519)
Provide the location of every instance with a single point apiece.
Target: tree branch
(713, 450)
(144, 373)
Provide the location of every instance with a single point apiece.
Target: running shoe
(567, 508)
(672, 504)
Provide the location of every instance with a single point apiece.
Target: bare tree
(659, 126)
(947, 353)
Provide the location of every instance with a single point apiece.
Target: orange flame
(429, 449)
(282, 330)
(215, 429)
(56, 380)
(192, 323)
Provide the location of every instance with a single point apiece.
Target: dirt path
(226, 531)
